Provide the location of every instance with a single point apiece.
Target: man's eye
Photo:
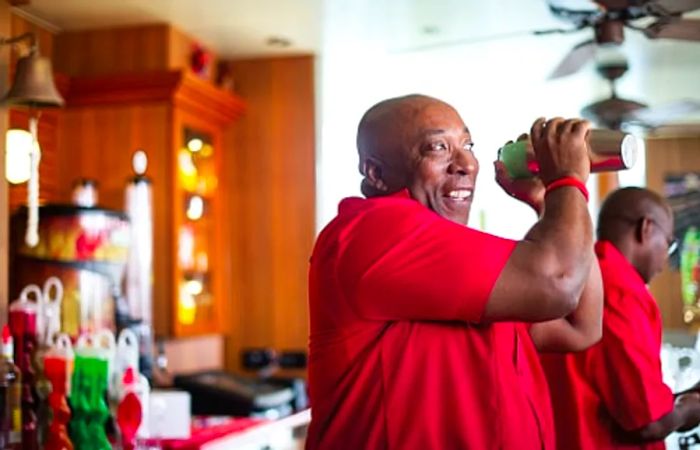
(438, 146)
(469, 146)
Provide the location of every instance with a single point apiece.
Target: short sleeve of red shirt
(401, 261)
(626, 366)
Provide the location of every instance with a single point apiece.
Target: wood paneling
(98, 142)
(607, 182)
(270, 191)
(112, 51)
(666, 156)
(4, 238)
(143, 48)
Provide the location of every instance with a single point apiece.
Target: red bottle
(57, 368)
(129, 411)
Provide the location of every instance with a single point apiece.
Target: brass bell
(33, 85)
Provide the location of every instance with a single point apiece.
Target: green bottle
(90, 411)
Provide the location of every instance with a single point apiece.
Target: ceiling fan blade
(616, 4)
(663, 114)
(476, 40)
(674, 6)
(683, 29)
(580, 17)
(575, 59)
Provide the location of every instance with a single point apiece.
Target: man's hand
(528, 190)
(561, 148)
(688, 401)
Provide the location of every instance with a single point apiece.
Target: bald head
(384, 122)
(382, 135)
(639, 223)
(629, 204)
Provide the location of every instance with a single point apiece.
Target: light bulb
(195, 209)
(18, 146)
(195, 145)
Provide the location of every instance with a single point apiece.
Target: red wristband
(567, 181)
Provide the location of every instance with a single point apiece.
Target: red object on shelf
(129, 411)
(22, 323)
(56, 369)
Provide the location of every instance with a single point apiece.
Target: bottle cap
(128, 378)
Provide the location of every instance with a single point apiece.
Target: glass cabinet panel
(197, 178)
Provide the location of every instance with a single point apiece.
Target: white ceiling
(230, 27)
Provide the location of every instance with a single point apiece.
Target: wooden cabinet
(105, 121)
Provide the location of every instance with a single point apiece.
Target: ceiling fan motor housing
(610, 32)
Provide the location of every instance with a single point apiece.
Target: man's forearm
(580, 329)
(566, 232)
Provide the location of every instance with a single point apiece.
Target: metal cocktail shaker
(609, 150)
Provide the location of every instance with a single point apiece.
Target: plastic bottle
(127, 357)
(88, 392)
(58, 363)
(129, 411)
(11, 382)
(609, 150)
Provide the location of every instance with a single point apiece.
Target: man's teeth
(460, 194)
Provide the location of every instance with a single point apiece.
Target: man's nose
(463, 163)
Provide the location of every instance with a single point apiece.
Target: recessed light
(278, 41)
(431, 29)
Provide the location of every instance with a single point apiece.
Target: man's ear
(644, 230)
(373, 174)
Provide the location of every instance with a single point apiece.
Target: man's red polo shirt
(615, 385)
(398, 356)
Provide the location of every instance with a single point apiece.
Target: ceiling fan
(616, 113)
(608, 18)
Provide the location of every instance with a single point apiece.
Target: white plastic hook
(30, 289)
(62, 346)
(28, 307)
(50, 309)
(55, 283)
